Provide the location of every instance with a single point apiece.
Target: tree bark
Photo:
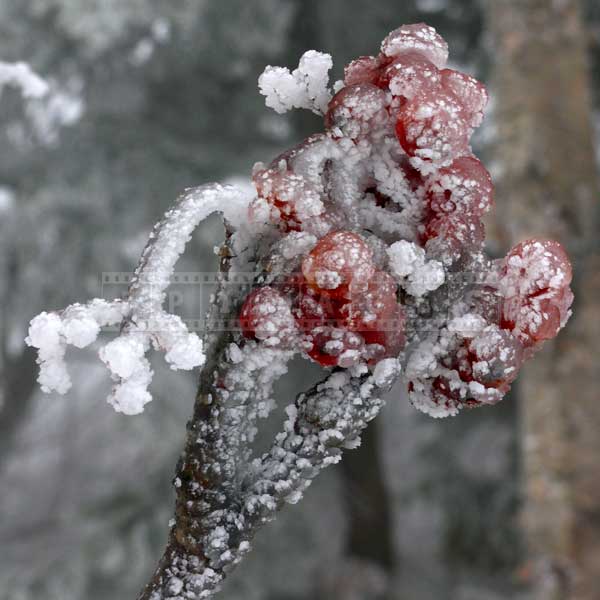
(548, 187)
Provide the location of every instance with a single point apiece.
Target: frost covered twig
(144, 323)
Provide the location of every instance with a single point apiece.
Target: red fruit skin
(357, 110)
(493, 362)
(417, 37)
(348, 347)
(365, 312)
(464, 187)
(471, 93)
(410, 74)
(365, 69)
(534, 281)
(377, 316)
(340, 331)
(344, 256)
(442, 392)
(453, 237)
(266, 182)
(432, 127)
(266, 313)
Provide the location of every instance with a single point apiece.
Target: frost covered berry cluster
(380, 238)
(368, 242)
(344, 309)
(365, 245)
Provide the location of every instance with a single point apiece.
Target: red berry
(464, 187)
(365, 69)
(410, 74)
(452, 237)
(495, 357)
(432, 127)
(291, 197)
(266, 315)
(534, 281)
(341, 331)
(367, 312)
(333, 346)
(357, 109)
(471, 94)
(340, 265)
(444, 393)
(419, 38)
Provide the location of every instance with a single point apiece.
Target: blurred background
(149, 97)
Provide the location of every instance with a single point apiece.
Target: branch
(223, 497)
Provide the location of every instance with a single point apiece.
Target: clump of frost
(304, 87)
(386, 371)
(413, 272)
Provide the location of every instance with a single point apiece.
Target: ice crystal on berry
(383, 215)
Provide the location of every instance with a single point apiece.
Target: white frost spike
(305, 87)
(21, 75)
(144, 322)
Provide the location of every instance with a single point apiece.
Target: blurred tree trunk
(366, 497)
(548, 187)
(18, 389)
(18, 374)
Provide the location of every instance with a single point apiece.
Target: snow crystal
(426, 278)
(419, 38)
(44, 332)
(467, 325)
(405, 257)
(123, 356)
(305, 87)
(130, 396)
(386, 371)
(408, 264)
(80, 331)
(297, 243)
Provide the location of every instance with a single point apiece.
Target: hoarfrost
(305, 87)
